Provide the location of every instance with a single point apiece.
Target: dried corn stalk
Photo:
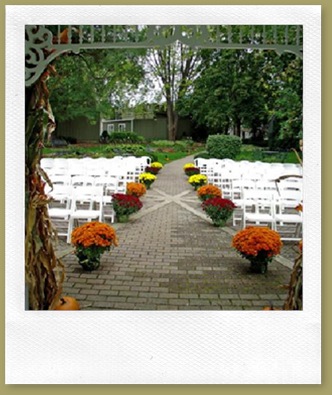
(43, 270)
(294, 298)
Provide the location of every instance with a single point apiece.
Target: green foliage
(203, 155)
(221, 146)
(125, 138)
(129, 149)
(124, 148)
(239, 89)
(173, 146)
(152, 155)
(93, 82)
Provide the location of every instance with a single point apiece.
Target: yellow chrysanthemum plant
(188, 166)
(259, 245)
(158, 165)
(197, 180)
(147, 179)
(154, 168)
(91, 240)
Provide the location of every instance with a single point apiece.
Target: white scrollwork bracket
(38, 52)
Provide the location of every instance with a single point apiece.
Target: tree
(175, 68)
(288, 106)
(228, 93)
(242, 88)
(94, 83)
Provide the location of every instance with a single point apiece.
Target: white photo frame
(144, 347)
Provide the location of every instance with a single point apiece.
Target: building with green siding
(150, 128)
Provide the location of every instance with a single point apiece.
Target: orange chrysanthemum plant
(91, 240)
(259, 245)
(208, 191)
(136, 188)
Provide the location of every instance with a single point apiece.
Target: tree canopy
(94, 83)
(222, 90)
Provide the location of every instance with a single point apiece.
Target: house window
(110, 128)
(122, 127)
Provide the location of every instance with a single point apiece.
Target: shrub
(222, 146)
(152, 155)
(125, 138)
(131, 149)
(203, 155)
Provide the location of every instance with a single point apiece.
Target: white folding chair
(46, 163)
(87, 205)
(82, 181)
(288, 220)
(76, 167)
(59, 209)
(259, 208)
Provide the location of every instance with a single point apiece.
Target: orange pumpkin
(270, 308)
(67, 303)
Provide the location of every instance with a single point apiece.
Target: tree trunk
(238, 127)
(172, 121)
(44, 272)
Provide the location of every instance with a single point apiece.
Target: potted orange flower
(91, 240)
(208, 191)
(259, 245)
(136, 188)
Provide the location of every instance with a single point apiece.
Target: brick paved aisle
(170, 257)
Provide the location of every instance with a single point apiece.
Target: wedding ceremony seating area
(264, 193)
(82, 189)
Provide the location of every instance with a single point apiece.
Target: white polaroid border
(146, 347)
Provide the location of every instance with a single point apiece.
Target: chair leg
(70, 229)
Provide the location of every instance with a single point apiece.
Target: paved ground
(170, 257)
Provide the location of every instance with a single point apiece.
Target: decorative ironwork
(45, 43)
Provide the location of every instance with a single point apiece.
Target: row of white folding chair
(250, 172)
(79, 203)
(115, 183)
(265, 207)
(254, 170)
(227, 180)
(288, 195)
(93, 167)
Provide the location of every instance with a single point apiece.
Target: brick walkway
(170, 257)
